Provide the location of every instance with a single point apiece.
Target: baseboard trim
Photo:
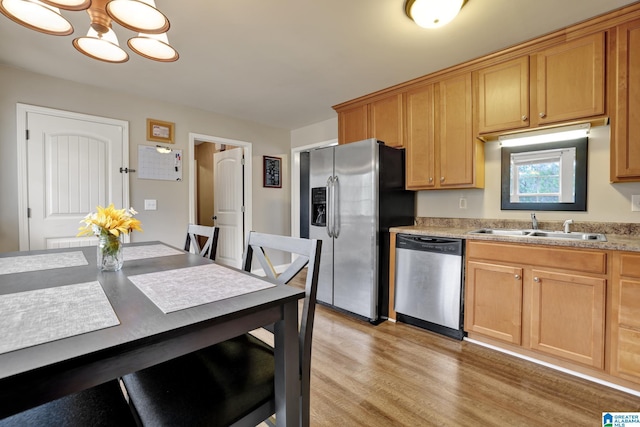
(557, 368)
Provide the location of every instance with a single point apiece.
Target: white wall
(317, 132)
(606, 202)
(168, 223)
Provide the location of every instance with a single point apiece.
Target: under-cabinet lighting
(557, 134)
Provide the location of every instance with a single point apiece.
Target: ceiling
(284, 63)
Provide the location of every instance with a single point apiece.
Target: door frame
(21, 139)
(295, 181)
(247, 178)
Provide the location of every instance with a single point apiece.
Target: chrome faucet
(567, 225)
(534, 221)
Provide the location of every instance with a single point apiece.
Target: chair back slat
(208, 250)
(308, 255)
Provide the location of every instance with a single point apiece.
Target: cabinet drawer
(553, 257)
(630, 265)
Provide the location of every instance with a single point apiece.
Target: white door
(73, 165)
(228, 204)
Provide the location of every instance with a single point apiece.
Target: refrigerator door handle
(329, 206)
(336, 207)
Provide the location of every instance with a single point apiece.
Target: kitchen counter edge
(614, 241)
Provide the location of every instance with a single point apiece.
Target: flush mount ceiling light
(433, 13)
(542, 136)
(101, 41)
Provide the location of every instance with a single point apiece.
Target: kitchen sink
(598, 237)
(572, 235)
(501, 232)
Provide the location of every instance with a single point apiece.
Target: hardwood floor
(394, 374)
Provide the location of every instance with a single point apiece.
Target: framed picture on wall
(272, 171)
(160, 131)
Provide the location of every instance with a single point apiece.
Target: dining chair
(231, 383)
(210, 247)
(100, 406)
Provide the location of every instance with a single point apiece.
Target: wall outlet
(463, 203)
(635, 203)
(150, 204)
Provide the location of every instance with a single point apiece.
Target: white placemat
(148, 251)
(35, 317)
(24, 263)
(175, 290)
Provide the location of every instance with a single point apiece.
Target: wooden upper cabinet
(441, 150)
(625, 129)
(386, 120)
(570, 80)
(353, 124)
(420, 141)
(502, 96)
(455, 132)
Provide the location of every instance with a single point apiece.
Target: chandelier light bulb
(138, 15)
(36, 15)
(153, 46)
(101, 46)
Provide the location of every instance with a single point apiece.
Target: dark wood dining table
(145, 335)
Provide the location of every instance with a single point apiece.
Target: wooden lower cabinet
(567, 316)
(625, 317)
(494, 301)
(557, 309)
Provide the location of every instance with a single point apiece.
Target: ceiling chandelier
(101, 42)
(433, 13)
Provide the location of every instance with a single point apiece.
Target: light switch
(150, 204)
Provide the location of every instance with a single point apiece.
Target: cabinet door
(493, 301)
(420, 141)
(625, 322)
(503, 96)
(353, 124)
(455, 136)
(386, 122)
(571, 80)
(625, 146)
(567, 316)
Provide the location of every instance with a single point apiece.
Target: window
(550, 177)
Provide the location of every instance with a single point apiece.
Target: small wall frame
(272, 167)
(160, 131)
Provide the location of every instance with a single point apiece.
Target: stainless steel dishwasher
(429, 283)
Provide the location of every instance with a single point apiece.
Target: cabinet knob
(430, 179)
(536, 279)
(524, 118)
(442, 179)
(517, 277)
(542, 115)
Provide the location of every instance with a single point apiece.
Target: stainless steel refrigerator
(356, 194)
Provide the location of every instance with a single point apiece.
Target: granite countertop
(620, 237)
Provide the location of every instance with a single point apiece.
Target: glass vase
(110, 256)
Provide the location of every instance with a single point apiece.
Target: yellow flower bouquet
(109, 224)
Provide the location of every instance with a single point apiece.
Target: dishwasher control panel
(430, 244)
